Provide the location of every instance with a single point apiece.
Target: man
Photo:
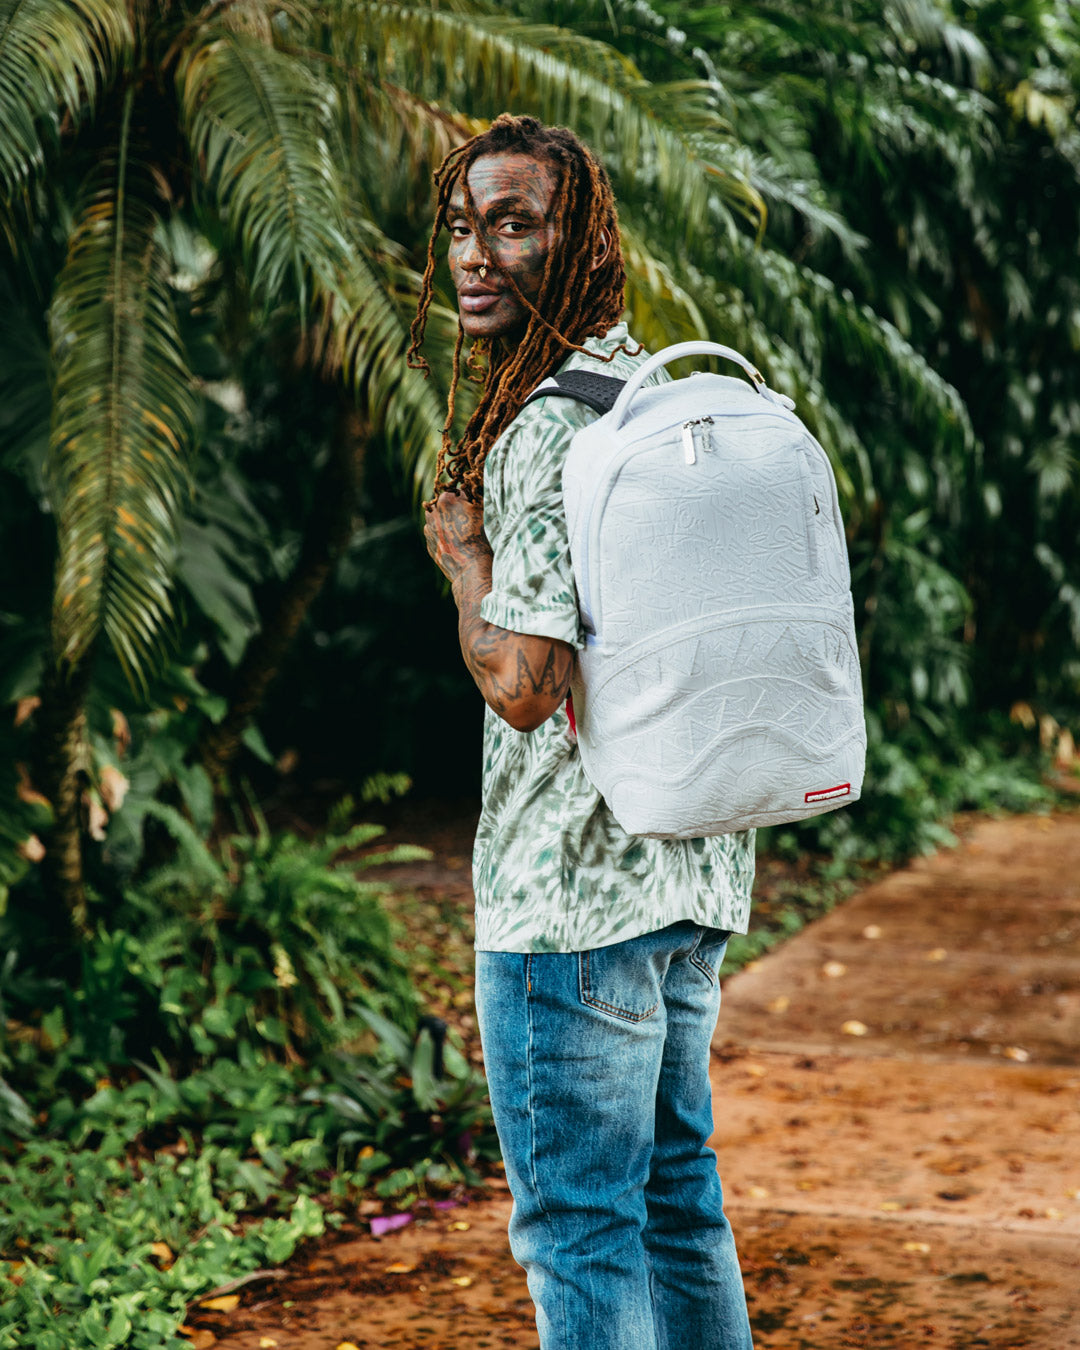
(597, 953)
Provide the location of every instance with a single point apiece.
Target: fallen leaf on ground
(1052, 1213)
(1015, 1052)
(266, 1343)
(890, 1205)
(198, 1337)
(758, 1192)
(347, 1345)
(834, 969)
(936, 954)
(462, 1281)
(399, 1268)
(754, 1070)
(854, 1028)
(871, 931)
(459, 1226)
(162, 1251)
(916, 1246)
(780, 1004)
(226, 1303)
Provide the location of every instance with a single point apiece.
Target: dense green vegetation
(211, 221)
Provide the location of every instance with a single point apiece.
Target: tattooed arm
(522, 677)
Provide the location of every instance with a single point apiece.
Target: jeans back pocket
(622, 980)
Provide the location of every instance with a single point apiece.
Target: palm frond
(260, 126)
(660, 311)
(123, 421)
(820, 321)
(732, 317)
(667, 139)
(55, 58)
(806, 200)
(926, 26)
(368, 335)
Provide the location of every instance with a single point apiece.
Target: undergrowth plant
(240, 1056)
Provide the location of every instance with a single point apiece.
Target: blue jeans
(598, 1069)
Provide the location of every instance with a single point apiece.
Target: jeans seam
(601, 1004)
(703, 966)
(531, 1094)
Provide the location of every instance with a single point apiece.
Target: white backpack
(719, 687)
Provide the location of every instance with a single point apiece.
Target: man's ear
(600, 256)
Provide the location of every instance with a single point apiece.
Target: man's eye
(515, 226)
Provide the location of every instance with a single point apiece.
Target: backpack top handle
(698, 348)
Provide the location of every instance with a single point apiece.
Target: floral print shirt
(552, 870)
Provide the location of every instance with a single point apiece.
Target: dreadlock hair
(575, 301)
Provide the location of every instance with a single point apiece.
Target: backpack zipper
(688, 436)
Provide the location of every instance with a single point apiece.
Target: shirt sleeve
(532, 581)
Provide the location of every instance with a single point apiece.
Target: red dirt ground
(896, 1095)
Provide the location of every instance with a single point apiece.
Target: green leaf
(208, 568)
(15, 1116)
(123, 422)
(422, 1071)
(56, 56)
(261, 129)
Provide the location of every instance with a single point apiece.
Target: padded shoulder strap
(596, 391)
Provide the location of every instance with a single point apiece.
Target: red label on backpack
(824, 794)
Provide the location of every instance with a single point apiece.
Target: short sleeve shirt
(552, 869)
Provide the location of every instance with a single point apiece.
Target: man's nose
(474, 254)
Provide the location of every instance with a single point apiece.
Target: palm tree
(123, 119)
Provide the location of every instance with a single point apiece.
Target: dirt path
(897, 1095)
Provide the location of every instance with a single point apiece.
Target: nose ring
(483, 272)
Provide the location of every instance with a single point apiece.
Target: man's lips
(476, 299)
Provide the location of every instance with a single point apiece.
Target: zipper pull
(688, 442)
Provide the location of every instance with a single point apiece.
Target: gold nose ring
(483, 272)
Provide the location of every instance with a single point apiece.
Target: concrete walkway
(898, 1107)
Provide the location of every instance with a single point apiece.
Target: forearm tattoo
(509, 668)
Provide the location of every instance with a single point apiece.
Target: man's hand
(522, 677)
(454, 534)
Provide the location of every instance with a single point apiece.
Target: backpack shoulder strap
(596, 391)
